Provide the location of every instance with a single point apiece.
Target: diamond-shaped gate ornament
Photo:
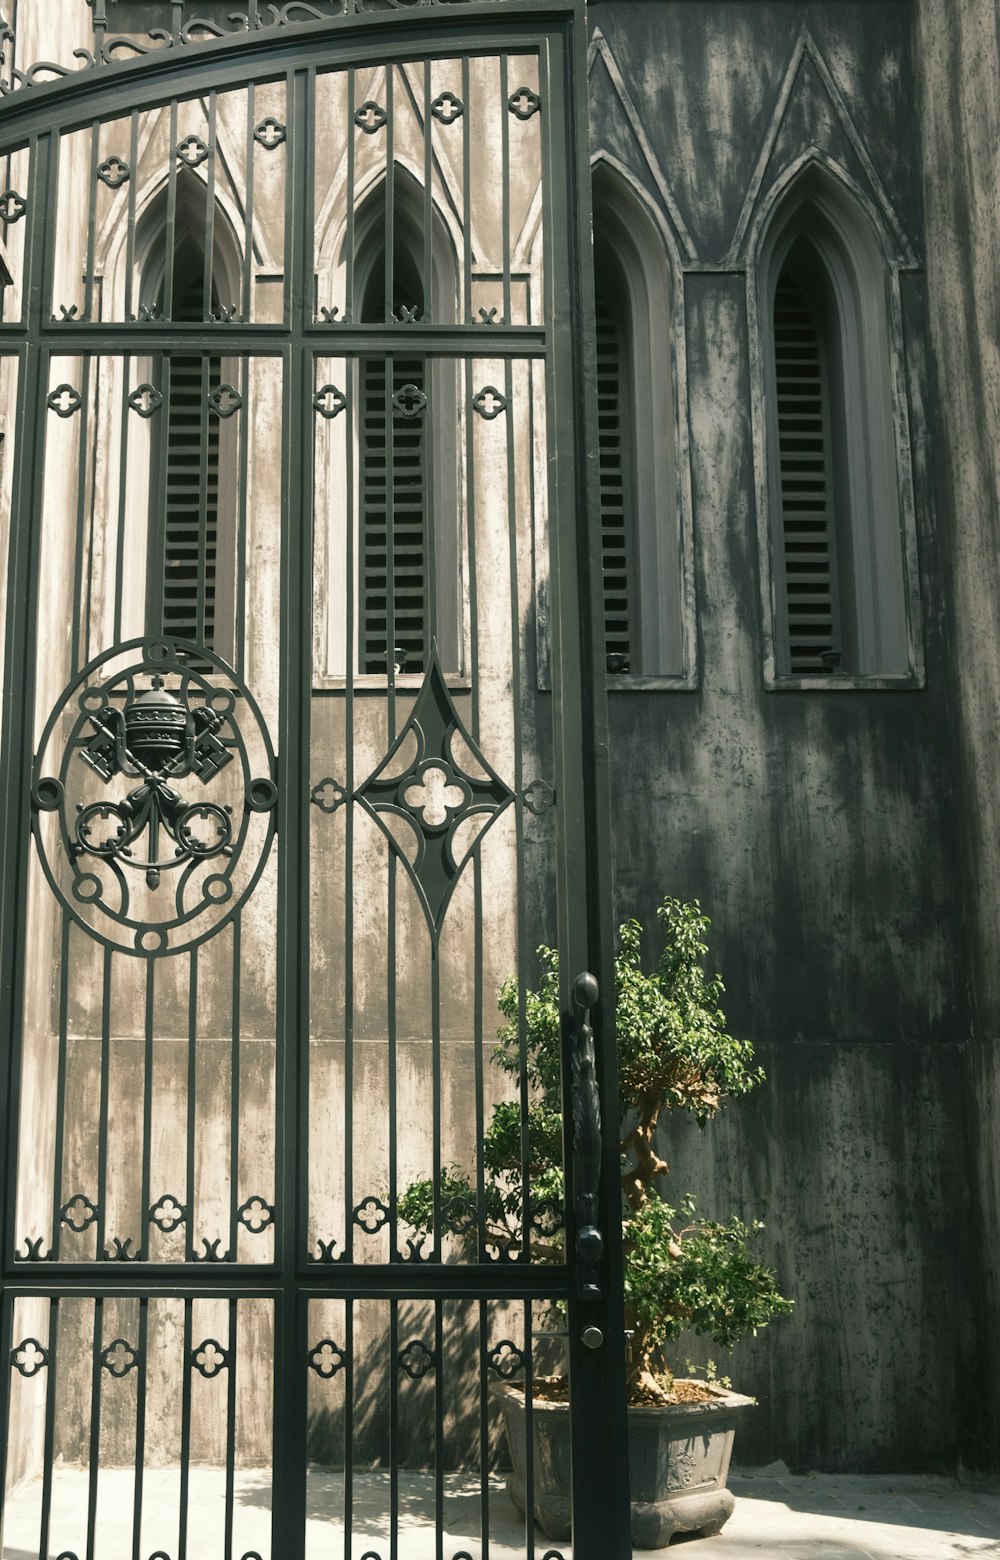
(435, 795)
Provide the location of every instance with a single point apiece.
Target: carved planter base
(678, 1465)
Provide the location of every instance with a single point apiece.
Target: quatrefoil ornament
(416, 1359)
(192, 151)
(327, 1358)
(119, 1358)
(29, 1357)
(370, 117)
(209, 1358)
(114, 172)
(446, 108)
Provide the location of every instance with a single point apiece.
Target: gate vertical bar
(599, 1425)
(294, 692)
(18, 693)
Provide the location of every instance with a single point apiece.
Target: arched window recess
(189, 272)
(403, 499)
(839, 547)
(642, 485)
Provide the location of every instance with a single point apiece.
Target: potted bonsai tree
(681, 1271)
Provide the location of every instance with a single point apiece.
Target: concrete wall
(958, 52)
(818, 827)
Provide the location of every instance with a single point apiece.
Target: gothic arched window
(190, 562)
(837, 538)
(646, 634)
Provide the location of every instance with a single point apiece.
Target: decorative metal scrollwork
(416, 1359)
(370, 117)
(326, 1359)
(119, 1358)
(446, 782)
(171, 716)
(29, 1357)
(324, 1253)
(329, 401)
(489, 403)
(446, 108)
(409, 401)
(64, 400)
(506, 1360)
(371, 1215)
(327, 794)
(269, 133)
(145, 399)
(167, 1213)
(256, 1215)
(114, 171)
(121, 1250)
(209, 1358)
(192, 151)
(225, 400)
(12, 207)
(524, 103)
(587, 1141)
(78, 1214)
(211, 1252)
(538, 797)
(33, 1251)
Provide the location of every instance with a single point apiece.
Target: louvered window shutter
(804, 462)
(191, 507)
(613, 477)
(393, 508)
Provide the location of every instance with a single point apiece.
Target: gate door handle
(587, 1144)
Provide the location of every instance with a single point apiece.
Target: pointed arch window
(397, 487)
(643, 497)
(190, 552)
(841, 545)
(394, 483)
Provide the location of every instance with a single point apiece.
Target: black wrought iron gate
(302, 762)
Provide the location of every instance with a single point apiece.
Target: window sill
(372, 683)
(654, 682)
(835, 682)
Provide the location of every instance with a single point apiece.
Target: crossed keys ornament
(155, 739)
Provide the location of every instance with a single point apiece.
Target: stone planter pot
(678, 1464)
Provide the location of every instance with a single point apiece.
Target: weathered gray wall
(819, 829)
(958, 54)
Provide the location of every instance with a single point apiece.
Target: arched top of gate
(91, 72)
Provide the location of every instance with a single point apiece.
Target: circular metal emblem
(154, 796)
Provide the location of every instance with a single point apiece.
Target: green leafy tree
(674, 1054)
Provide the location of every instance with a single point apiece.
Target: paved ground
(821, 1517)
(778, 1516)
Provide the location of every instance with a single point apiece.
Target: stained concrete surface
(794, 1517)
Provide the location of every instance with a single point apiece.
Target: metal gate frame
(592, 1287)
